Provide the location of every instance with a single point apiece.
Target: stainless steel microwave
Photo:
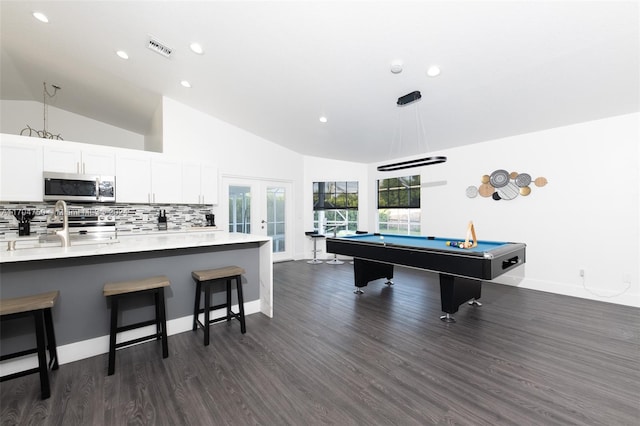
(79, 187)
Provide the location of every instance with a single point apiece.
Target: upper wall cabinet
(20, 168)
(199, 183)
(166, 180)
(70, 157)
(133, 177)
(143, 177)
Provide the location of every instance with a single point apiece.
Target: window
(240, 209)
(335, 207)
(399, 205)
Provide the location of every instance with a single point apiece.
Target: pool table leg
(454, 291)
(365, 271)
(447, 318)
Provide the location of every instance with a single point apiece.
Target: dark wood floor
(331, 357)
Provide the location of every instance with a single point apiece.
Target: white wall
(16, 115)
(191, 134)
(586, 218)
(153, 139)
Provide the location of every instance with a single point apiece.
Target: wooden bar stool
(118, 290)
(204, 282)
(39, 307)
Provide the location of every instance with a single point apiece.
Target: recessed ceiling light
(323, 119)
(433, 71)
(396, 67)
(185, 83)
(41, 17)
(197, 48)
(122, 54)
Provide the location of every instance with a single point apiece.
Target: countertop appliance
(79, 187)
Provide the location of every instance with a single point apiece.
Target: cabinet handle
(84, 168)
(77, 167)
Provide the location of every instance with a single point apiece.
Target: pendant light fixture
(44, 133)
(418, 162)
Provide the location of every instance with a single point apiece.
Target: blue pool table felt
(419, 241)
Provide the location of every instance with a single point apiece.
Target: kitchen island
(81, 314)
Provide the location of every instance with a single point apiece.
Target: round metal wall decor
(499, 178)
(523, 179)
(502, 185)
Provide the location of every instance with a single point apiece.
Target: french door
(261, 207)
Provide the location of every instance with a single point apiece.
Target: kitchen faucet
(63, 234)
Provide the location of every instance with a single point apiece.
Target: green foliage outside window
(399, 205)
(335, 204)
(335, 195)
(402, 192)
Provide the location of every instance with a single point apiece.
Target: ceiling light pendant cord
(29, 131)
(421, 130)
(44, 108)
(420, 133)
(396, 143)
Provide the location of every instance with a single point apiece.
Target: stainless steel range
(84, 228)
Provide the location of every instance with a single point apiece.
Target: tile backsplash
(129, 218)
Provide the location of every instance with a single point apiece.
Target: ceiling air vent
(159, 47)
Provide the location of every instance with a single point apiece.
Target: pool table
(461, 270)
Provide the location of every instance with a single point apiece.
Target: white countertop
(130, 244)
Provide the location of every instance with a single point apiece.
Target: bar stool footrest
(139, 340)
(19, 354)
(134, 326)
(19, 374)
(232, 315)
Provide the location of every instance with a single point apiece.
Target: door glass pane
(240, 209)
(276, 218)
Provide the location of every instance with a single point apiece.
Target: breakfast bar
(79, 272)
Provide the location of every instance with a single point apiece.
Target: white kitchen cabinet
(199, 183)
(69, 157)
(99, 163)
(133, 177)
(209, 184)
(166, 180)
(143, 177)
(20, 168)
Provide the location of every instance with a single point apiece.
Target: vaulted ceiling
(274, 68)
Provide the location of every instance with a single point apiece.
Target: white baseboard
(100, 345)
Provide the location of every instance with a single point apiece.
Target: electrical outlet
(582, 273)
